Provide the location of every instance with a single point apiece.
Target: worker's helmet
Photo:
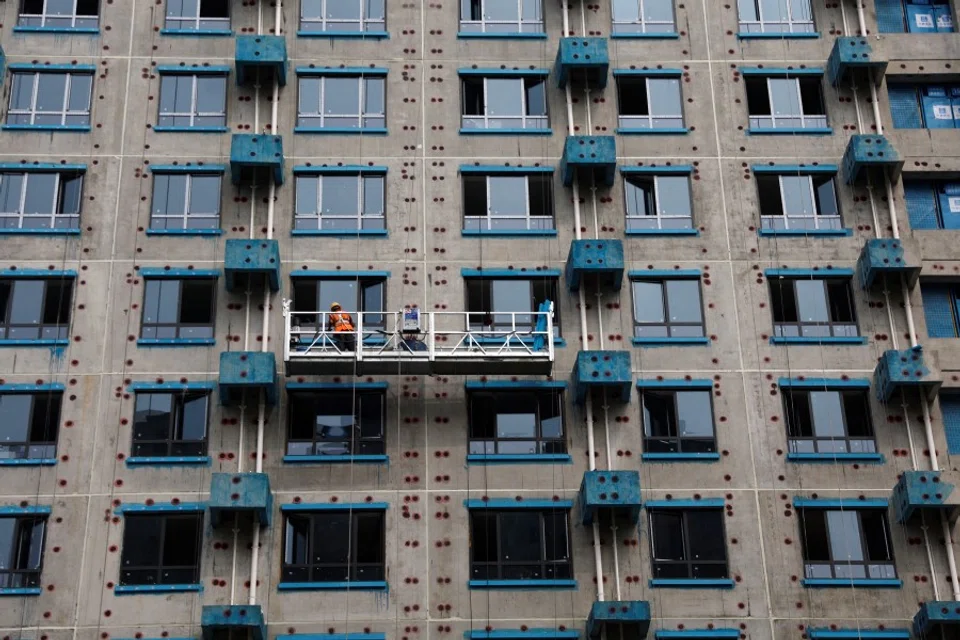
(334, 306)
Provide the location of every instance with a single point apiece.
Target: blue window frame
(50, 99)
(205, 16)
(932, 204)
(29, 424)
(923, 16)
(643, 17)
(924, 106)
(59, 15)
(22, 538)
(41, 200)
(940, 308)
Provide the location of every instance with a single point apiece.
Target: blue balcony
(886, 256)
(610, 496)
(244, 494)
(924, 491)
(852, 54)
(905, 370)
(589, 157)
(866, 152)
(236, 618)
(266, 54)
(603, 370)
(256, 159)
(247, 372)
(602, 259)
(626, 620)
(937, 619)
(583, 59)
(252, 259)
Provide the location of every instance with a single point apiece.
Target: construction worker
(341, 324)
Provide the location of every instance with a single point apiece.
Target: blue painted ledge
(518, 233)
(56, 128)
(516, 458)
(526, 585)
(358, 459)
(167, 461)
(337, 233)
(146, 589)
(28, 462)
(811, 35)
(645, 36)
(191, 129)
(470, 35)
(680, 457)
(373, 585)
(662, 232)
(626, 131)
(506, 132)
(85, 31)
(670, 342)
(39, 232)
(346, 35)
(199, 33)
(557, 342)
(184, 232)
(342, 131)
(836, 458)
(691, 583)
(793, 131)
(41, 342)
(807, 340)
(176, 342)
(21, 591)
(821, 233)
(815, 583)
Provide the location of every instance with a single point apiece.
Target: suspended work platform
(420, 343)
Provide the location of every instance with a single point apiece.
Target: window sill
(366, 233)
(469, 35)
(670, 342)
(358, 459)
(645, 36)
(517, 233)
(662, 232)
(805, 340)
(514, 458)
(794, 131)
(184, 232)
(345, 35)
(526, 585)
(374, 585)
(39, 342)
(176, 342)
(506, 132)
(28, 462)
(39, 232)
(835, 458)
(134, 589)
(342, 131)
(815, 583)
(63, 128)
(822, 233)
(200, 33)
(623, 131)
(191, 129)
(808, 35)
(85, 31)
(680, 457)
(168, 461)
(692, 583)
(21, 591)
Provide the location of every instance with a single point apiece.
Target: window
(846, 544)
(170, 424)
(667, 309)
(340, 202)
(50, 99)
(493, 103)
(950, 408)
(643, 16)
(927, 16)
(649, 103)
(335, 423)
(923, 106)
(932, 204)
(509, 304)
(688, 544)
(814, 307)
(779, 16)
(366, 295)
(60, 14)
(40, 199)
(21, 551)
(657, 202)
(940, 309)
(785, 103)
(185, 201)
(677, 421)
(520, 544)
(798, 202)
(501, 16)
(508, 202)
(342, 102)
(334, 546)
(35, 308)
(198, 15)
(28, 425)
(828, 421)
(522, 422)
(161, 549)
(178, 309)
(193, 100)
(344, 16)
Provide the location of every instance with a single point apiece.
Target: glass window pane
(194, 423)
(827, 414)
(520, 536)
(694, 414)
(626, 10)
(373, 195)
(705, 534)
(501, 10)
(15, 411)
(341, 96)
(27, 302)
(774, 10)
(141, 541)
(508, 195)
(205, 195)
(21, 93)
(80, 87)
(658, 10)
(211, 94)
(343, 10)
(152, 416)
(504, 96)
(342, 291)
(71, 191)
(307, 198)
(374, 101)
(51, 91)
(784, 96)
(673, 196)
(639, 194)
(826, 197)
(340, 195)
(811, 301)
(664, 96)
(683, 299)
(41, 191)
(877, 535)
(844, 528)
(331, 537)
(797, 195)
(666, 532)
(648, 302)
(517, 416)
(309, 99)
(11, 186)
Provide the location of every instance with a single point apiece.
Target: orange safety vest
(341, 322)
